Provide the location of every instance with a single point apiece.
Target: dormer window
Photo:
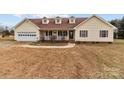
(72, 20)
(45, 20)
(58, 20)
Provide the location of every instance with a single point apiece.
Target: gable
(26, 26)
(95, 22)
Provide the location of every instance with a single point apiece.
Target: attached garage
(26, 36)
(26, 31)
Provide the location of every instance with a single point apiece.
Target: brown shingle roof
(52, 26)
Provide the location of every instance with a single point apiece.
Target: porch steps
(71, 41)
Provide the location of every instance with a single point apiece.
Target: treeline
(5, 31)
(119, 23)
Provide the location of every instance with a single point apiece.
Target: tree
(121, 29)
(116, 23)
(119, 23)
(1, 29)
(5, 32)
(11, 32)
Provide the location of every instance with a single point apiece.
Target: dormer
(58, 20)
(72, 20)
(45, 20)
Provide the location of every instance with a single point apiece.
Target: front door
(71, 34)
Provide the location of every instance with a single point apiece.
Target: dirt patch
(82, 61)
(4, 44)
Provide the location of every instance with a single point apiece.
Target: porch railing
(54, 38)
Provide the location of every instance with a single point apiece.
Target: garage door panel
(26, 36)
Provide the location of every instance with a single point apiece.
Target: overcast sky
(13, 19)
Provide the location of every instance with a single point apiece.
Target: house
(92, 29)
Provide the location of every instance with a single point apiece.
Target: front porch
(58, 35)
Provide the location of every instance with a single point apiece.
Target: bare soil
(87, 60)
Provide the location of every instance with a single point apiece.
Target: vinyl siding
(94, 25)
(27, 26)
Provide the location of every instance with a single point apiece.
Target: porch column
(38, 35)
(57, 34)
(68, 34)
(74, 35)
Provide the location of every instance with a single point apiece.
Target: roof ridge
(55, 17)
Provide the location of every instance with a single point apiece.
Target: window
(46, 33)
(45, 20)
(50, 33)
(72, 21)
(57, 20)
(59, 33)
(83, 33)
(26, 34)
(103, 33)
(62, 33)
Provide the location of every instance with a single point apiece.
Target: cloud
(40, 15)
(50, 15)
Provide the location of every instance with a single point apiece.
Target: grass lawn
(119, 41)
(86, 60)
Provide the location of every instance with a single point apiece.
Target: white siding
(27, 26)
(94, 25)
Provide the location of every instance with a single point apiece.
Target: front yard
(86, 60)
(48, 43)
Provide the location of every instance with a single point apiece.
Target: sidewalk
(70, 45)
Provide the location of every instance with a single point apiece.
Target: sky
(12, 19)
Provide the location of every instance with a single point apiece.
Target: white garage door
(26, 36)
